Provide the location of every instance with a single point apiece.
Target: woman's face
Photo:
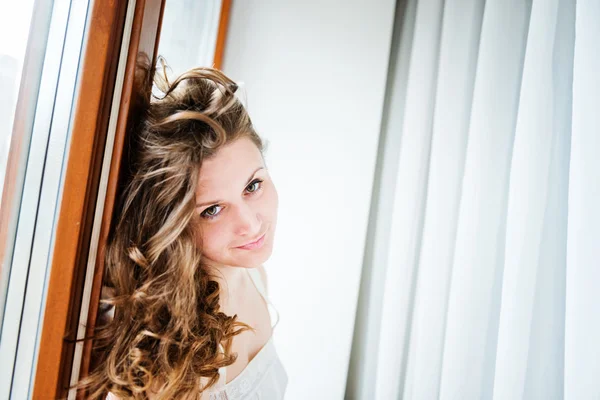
(237, 206)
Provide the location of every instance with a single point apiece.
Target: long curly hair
(167, 327)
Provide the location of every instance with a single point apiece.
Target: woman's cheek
(220, 234)
(276, 200)
(273, 203)
(209, 234)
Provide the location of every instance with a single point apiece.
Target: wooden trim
(96, 82)
(222, 33)
(143, 45)
(98, 73)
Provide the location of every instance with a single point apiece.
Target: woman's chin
(254, 258)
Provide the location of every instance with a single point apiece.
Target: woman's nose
(249, 222)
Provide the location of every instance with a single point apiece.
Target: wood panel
(82, 176)
(143, 46)
(89, 128)
(222, 33)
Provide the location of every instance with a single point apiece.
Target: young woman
(184, 261)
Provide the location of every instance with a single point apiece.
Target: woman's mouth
(257, 244)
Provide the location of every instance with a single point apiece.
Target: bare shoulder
(263, 276)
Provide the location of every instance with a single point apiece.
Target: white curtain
(482, 267)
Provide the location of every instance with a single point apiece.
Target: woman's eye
(254, 186)
(211, 212)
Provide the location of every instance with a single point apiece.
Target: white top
(264, 378)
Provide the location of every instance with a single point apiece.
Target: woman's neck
(232, 283)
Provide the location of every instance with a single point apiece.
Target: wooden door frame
(222, 33)
(89, 130)
(98, 72)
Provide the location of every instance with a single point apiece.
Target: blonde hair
(167, 325)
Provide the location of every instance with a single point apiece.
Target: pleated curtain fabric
(485, 247)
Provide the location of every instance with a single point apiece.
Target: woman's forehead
(234, 162)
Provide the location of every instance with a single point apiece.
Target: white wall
(315, 75)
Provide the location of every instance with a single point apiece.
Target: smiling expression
(236, 202)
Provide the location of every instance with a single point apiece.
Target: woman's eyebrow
(207, 203)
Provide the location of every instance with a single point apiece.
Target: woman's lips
(257, 244)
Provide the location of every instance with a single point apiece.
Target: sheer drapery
(484, 256)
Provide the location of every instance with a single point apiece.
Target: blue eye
(254, 186)
(211, 212)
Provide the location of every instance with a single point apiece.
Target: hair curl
(167, 327)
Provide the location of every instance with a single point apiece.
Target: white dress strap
(260, 286)
(258, 282)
